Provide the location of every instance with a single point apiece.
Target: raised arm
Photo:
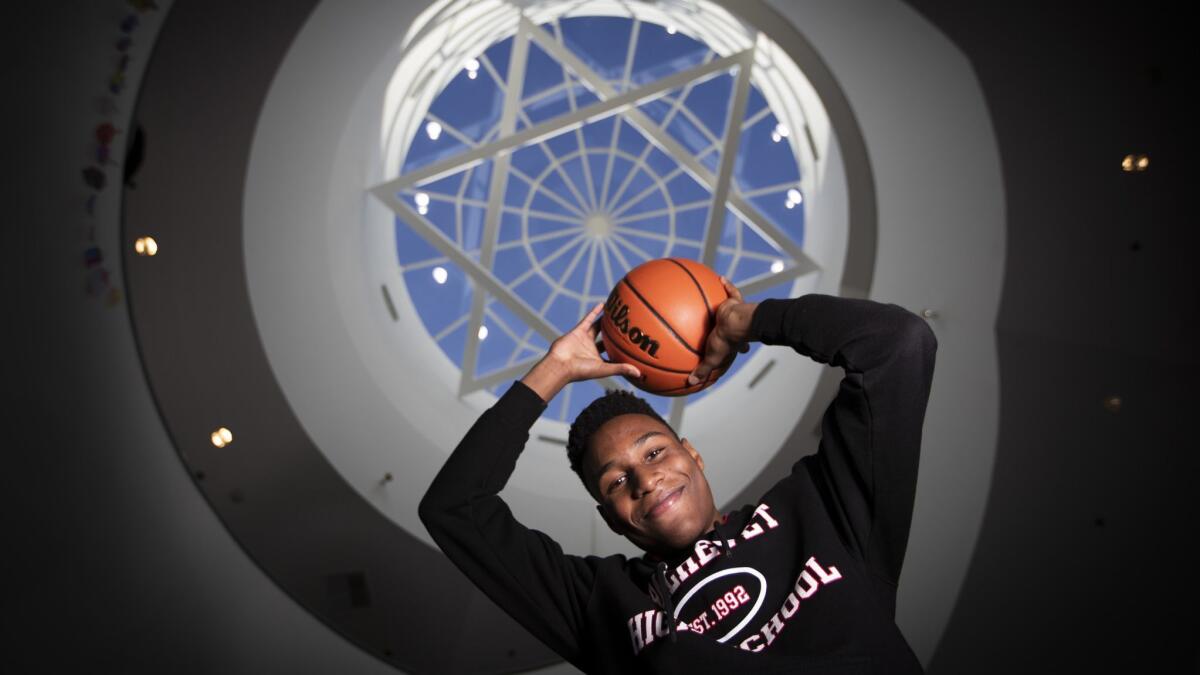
(524, 571)
(871, 432)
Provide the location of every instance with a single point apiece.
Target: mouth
(665, 504)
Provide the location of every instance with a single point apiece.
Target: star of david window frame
(476, 203)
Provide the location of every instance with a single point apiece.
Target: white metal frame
(598, 254)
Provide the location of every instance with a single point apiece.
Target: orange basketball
(658, 318)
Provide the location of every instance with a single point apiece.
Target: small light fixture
(440, 274)
(1135, 163)
(433, 130)
(777, 266)
(421, 199)
(483, 332)
(779, 133)
(472, 66)
(793, 198)
(222, 437)
(145, 246)
(671, 30)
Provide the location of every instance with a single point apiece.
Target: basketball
(658, 318)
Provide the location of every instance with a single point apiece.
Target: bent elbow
(929, 342)
(917, 337)
(430, 510)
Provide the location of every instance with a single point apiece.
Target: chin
(683, 537)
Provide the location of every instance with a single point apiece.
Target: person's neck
(669, 555)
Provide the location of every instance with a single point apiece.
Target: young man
(803, 581)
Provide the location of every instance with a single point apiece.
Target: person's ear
(687, 445)
(613, 523)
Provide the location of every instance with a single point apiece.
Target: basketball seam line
(694, 281)
(659, 317)
(633, 356)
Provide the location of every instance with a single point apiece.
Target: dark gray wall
(1084, 560)
(114, 561)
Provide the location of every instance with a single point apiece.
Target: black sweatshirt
(804, 581)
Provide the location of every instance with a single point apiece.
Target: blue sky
(607, 168)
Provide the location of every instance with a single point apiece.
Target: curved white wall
(940, 245)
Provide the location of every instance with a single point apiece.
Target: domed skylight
(564, 155)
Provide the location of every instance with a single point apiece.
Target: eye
(654, 453)
(617, 482)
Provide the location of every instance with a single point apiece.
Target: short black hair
(613, 403)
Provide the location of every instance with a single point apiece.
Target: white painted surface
(310, 223)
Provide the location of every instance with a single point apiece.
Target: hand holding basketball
(579, 355)
(658, 317)
(574, 356)
(728, 336)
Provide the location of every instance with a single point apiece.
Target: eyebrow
(641, 439)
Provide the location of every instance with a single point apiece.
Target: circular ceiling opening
(531, 159)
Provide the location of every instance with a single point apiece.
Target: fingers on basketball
(665, 308)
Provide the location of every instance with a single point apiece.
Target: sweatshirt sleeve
(522, 570)
(870, 444)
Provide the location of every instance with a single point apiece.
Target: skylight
(566, 154)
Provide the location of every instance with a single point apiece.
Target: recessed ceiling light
(145, 246)
(221, 437)
(1135, 163)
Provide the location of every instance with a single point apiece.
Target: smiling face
(650, 487)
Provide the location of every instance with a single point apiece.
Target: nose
(645, 480)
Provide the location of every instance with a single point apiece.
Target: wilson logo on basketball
(618, 313)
